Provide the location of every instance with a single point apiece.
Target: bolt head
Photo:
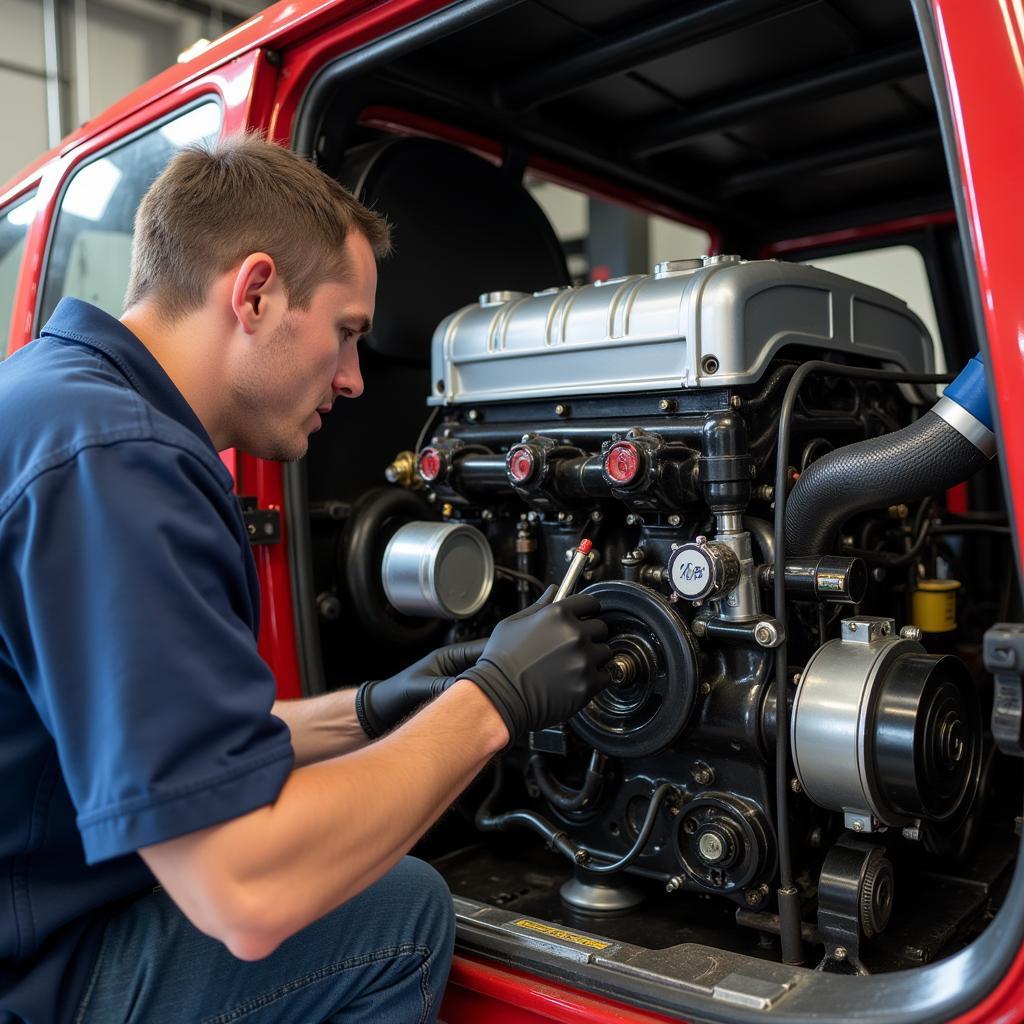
(487, 514)
(795, 787)
(858, 826)
(910, 633)
(596, 516)
(560, 409)
(472, 415)
(736, 401)
(839, 953)
(674, 520)
(711, 847)
(754, 898)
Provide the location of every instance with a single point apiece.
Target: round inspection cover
(645, 711)
(438, 569)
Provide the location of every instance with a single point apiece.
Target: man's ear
(254, 281)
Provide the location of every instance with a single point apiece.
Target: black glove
(382, 703)
(543, 664)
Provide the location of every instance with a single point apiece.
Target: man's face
(290, 380)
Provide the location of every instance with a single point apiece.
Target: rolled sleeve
(135, 634)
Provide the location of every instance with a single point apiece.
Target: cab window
(90, 251)
(14, 224)
(899, 270)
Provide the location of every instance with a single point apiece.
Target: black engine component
(654, 674)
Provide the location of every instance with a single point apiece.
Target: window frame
(74, 169)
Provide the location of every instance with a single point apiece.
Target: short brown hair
(213, 206)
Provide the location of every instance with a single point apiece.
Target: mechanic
(174, 845)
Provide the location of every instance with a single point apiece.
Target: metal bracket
(263, 525)
(1004, 658)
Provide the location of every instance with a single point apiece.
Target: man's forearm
(322, 727)
(336, 827)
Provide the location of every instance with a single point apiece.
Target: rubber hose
(907, 465)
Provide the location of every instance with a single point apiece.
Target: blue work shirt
(134, 706)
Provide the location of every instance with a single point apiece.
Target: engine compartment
(641, 417)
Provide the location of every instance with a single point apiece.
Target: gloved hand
(382, 703)
(541, 665)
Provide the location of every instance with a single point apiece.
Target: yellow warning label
(557, 933)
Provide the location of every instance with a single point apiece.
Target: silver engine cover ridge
(710, 322)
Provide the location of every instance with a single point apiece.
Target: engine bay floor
(943, 911)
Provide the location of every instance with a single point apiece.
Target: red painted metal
(265, 481)
(957, 500)
(485, 993)
(982, 49)
(901, 226)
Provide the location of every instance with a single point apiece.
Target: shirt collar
(81, 322)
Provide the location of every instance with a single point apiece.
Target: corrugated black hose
(909, 464)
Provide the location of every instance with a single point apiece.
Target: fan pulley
(654, 674)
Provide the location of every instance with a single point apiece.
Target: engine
(634, 426)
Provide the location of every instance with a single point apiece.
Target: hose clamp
(966, 423)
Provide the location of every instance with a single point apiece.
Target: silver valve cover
(693, 323)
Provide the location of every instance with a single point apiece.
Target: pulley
(654, 674)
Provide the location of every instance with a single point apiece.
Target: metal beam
(624, 51)
(854, 73)
(826, 159)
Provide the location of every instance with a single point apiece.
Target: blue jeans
(383, 957)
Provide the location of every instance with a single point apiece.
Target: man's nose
(348, 381)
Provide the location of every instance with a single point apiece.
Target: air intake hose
(948, 444)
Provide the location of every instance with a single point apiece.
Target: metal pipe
(51, 58)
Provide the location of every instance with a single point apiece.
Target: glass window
(899, 270)
(90, 253)
(14, 222)
(603, 240)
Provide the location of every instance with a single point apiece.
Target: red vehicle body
(260, 73)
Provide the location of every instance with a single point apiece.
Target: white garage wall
(105, 50)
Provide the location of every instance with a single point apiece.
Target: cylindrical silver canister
(441, 570)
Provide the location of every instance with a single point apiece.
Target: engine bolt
(703, 775)
(795, 787)
(705, 689)
(711, 847)
(596, 516)
(698, 627)
(631, 519)
(766, 634)
(736, 401)
(839, 953)
(754, 898)
(667, 405)
(473, 415)
(857, 826)
(674, 883)
(910, 633)
(561, 410)
(447, 509)
(674, 520)
(532, 517)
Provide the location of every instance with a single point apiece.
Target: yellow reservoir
(933, 605)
